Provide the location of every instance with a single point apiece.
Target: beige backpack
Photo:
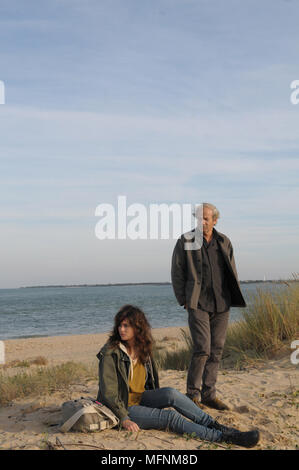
(85, 415)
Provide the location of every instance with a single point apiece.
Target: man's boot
(215, 403)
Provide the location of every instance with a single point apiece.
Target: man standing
(205, 282)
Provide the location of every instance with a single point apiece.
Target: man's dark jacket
(186, 271)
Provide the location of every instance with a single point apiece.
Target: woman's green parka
(114, 369)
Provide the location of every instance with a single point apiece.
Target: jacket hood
(105, 350)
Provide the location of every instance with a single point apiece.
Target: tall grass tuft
(43, 380)
(269, 323)
(176, 360)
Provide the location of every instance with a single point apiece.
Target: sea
(54, 311)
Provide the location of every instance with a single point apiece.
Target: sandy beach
(77, 348)
(264, 396)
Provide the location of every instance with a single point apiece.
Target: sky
(167, 101)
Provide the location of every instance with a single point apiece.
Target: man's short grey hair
(207, 205)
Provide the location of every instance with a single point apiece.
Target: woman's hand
(130, 425)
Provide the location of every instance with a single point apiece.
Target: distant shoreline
(257, 281)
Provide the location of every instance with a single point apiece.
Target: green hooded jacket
(114, 369)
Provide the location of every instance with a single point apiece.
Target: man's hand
(130, 425)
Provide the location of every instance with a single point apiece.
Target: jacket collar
(218, 235)
(123, 348)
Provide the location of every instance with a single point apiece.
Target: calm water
(51, 311)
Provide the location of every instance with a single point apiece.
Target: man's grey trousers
(208, 332)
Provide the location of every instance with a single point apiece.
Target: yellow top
(136, 383)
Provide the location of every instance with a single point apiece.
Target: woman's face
(126, 331)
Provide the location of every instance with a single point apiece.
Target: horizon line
(136, 283)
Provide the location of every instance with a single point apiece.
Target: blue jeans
(149, 414)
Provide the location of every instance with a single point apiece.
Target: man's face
(207, 221)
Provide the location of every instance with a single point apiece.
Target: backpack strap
(73, 419)
(107, 412)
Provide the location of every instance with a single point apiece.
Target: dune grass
(39, 361)
(268, 325)
(42, 380)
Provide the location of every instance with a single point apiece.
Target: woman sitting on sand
(129, 386)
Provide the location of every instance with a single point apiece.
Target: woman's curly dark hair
(143, 337)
